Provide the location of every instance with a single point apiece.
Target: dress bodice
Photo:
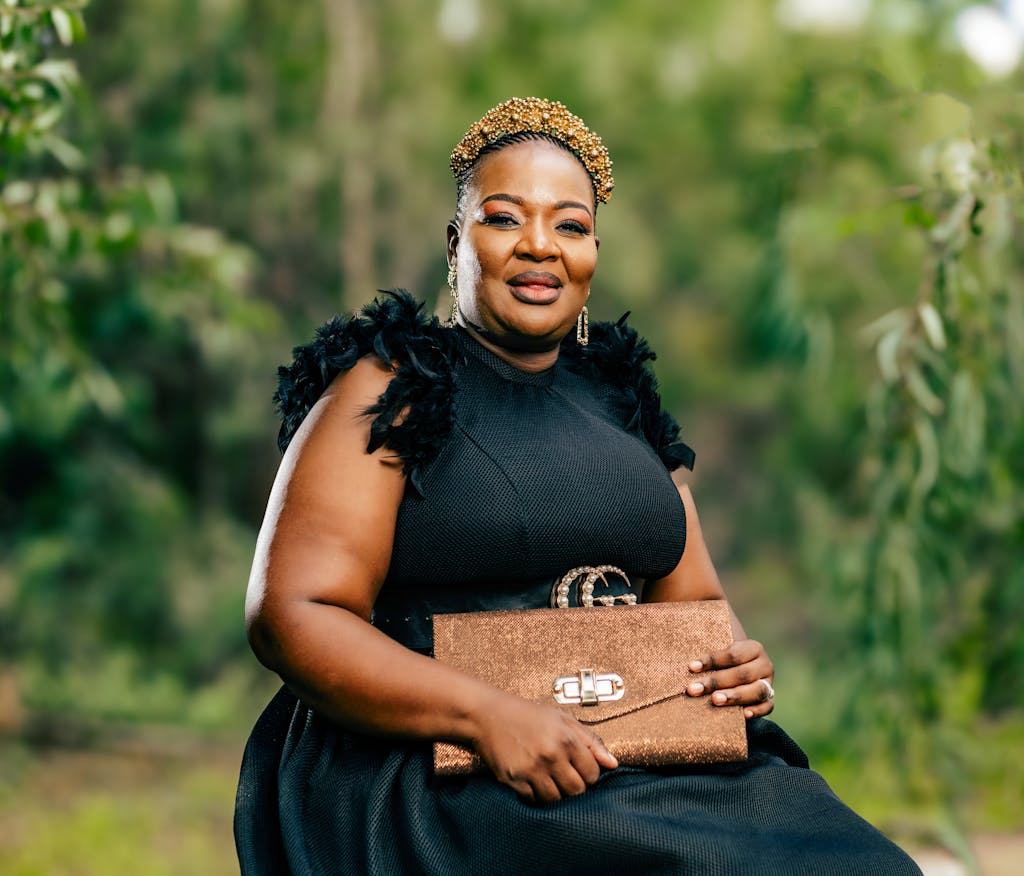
(516, 477)
(537, 477)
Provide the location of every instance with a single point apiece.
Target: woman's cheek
(468, 272)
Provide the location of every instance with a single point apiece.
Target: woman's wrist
(482, 703)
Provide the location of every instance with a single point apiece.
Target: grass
(90, 813)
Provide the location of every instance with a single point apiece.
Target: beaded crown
(535, 114)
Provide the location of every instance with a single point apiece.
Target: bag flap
(647, 646)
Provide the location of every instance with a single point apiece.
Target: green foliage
(34, 87)
(123, 329)
(928, 589)
(819, 233)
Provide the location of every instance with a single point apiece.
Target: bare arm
(321, 558)
(736, 670)
(322, 555)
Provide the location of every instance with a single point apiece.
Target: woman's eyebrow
(501, 196)
(572, 205)
(514, 199)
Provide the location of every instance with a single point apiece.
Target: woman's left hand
(740, 675)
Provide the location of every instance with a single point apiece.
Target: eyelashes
(502, 220)
(574, 226)
(507, 220)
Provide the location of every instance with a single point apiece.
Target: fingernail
(696, 689)
(720, 698)
(748, 713)
(696, 666)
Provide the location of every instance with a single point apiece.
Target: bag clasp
(588, 688)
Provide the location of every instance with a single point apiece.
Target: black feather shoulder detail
(616, 355)
(415, 414)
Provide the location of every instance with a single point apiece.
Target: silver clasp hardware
(588, 688)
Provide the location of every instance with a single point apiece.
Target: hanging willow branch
(929, 584)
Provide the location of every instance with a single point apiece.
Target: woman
(433, 469)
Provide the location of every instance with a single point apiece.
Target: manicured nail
(696, 666)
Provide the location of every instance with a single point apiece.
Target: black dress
(513, 479)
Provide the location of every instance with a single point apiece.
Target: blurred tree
(928, 588)
(124, 331)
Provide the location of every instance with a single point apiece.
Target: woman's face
(526, 249)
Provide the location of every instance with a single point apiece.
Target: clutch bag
(620, 670)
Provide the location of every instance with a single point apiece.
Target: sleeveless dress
(513, 478)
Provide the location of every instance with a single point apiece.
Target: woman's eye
(573, 226)
(500, 219)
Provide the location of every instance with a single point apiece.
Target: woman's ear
(452, 245)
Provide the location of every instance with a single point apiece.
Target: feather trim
(414, 416)
(617, 355)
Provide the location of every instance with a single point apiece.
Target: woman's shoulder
(618, 358)
(414, 415)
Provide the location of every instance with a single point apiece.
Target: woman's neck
(524, 360)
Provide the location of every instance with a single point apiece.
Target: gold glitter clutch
(619, 670)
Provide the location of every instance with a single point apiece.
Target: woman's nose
(536, 242)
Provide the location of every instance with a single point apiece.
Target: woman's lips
(535, 287)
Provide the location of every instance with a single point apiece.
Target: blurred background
(817, 224)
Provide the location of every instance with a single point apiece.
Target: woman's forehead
(534, 171)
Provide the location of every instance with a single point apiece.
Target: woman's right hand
(539, 752)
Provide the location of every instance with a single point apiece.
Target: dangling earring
(453, 284)
(583, 327)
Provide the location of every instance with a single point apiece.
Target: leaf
(955, 223)
(928, 456)
(66, 153)
(60, 74)
(48, 118)
(78, 25)
(118, 226)
(888, 351)
(917, 216)
(17, 193)
(965, 437)
(162, 197)
(62, 25)
(922, 392)
(887, 322)
(932, 323)
(103, 390)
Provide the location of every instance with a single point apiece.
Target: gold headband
(536, 115)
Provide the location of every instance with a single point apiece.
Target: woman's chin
(536, 332)
(513, 340)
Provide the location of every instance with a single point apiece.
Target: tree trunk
(346, 125)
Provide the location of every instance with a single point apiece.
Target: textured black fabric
(414, 417)
(354, 805)
(536, 473)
